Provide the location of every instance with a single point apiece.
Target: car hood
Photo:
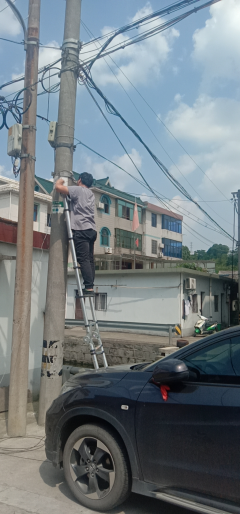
(103, 377)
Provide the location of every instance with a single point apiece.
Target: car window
(217, 363)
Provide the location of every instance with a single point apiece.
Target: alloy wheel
(92, 467)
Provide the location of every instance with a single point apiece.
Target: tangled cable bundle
(13, 107)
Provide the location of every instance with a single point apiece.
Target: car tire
(96, 467)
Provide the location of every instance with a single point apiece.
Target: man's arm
(60, 188)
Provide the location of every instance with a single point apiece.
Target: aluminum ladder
(92, 338)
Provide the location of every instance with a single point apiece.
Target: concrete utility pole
(17, 416)
(52, 361)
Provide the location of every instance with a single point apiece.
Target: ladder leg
(88, 338)
(95, 321)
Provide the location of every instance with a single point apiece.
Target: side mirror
(170, 371)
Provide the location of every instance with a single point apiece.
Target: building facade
(152, 300)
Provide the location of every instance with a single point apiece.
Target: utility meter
(15, 140)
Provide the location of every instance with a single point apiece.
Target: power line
(112, 110)
(89, 32)
(201, 222)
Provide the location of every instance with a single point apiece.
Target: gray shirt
(82, 208)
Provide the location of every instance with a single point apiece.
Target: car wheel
(96, 468)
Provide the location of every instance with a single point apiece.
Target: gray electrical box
(52, 133)
(15, 140)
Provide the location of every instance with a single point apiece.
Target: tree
(186, 253)
(217, 251)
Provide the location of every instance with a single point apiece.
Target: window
(172, 248)
(36, 188)
(106, 201)
(173, 224)
(48, 220)
(35, 212)
(101, 301)
(125, 210)
(215, 303)
(154, 221)
(154, 247)
(105, 236)
(130, 240)
(194, 304)
(216, 363)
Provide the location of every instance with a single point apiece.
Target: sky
(189, 76)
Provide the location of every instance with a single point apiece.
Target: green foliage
(218, 253)
(186, 253)
(191, 265)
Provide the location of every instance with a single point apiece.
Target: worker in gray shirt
(83, 225)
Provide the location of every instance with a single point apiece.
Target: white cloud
(212, 128)
(209, 121)
(138, 61)
(46, 56)
(9, 26)
(118, 178)
(6, 173)
(217, 45)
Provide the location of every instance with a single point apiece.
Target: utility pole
(17, 417)
(52, 360)
(236, 205)
(238, 195)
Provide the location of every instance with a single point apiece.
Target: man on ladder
(83, 225)
(82, 236)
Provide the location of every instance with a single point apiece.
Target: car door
(192, 440)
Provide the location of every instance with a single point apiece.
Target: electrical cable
(153, 133)
(153, 31)
(89, 83)
(189, 215)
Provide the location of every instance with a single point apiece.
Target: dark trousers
(84, 244)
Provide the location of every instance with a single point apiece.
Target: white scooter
(205, 326)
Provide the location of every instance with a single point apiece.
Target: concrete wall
(39, 282)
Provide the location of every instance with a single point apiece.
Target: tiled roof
(47, 185)
(100, 184)
(118, 193)
(155, 208)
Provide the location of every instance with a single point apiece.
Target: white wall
(153, 296)
(5, 206)
(210, 286)
(146, 297)
(39, 282)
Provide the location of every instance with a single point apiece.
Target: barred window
(154, 247)
(101, 301)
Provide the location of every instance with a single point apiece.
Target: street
(29, 484)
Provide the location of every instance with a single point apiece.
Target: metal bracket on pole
(65, 145)
(31, 127)
(71, 43)
(27, 156)
(31, 43)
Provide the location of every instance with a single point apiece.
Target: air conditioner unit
(160, 254)
(100, 205)
(108, 250)
(161, 246)
(190, 283)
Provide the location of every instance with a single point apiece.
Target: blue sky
(189, 74)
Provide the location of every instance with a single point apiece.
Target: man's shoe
(88, 292)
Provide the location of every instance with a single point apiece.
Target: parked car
(169, 430)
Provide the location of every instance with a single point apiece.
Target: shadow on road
(136, 503)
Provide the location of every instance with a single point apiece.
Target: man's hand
(59, 186)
